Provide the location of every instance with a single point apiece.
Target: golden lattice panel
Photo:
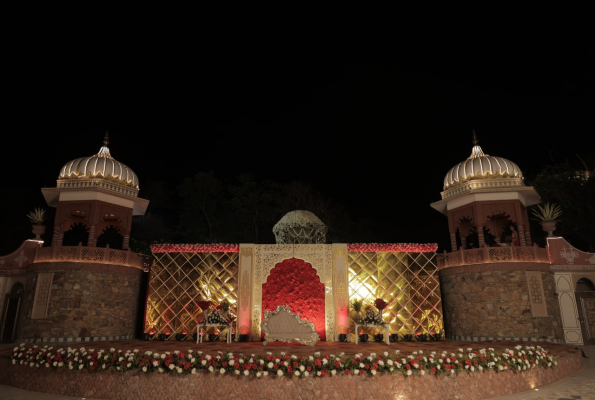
(179, 281)
(408, 282)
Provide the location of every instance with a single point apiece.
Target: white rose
(171, 366)
(222, 371)
(279, 372)
(246, 372)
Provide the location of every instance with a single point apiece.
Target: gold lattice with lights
(408, 282)
(180, 281)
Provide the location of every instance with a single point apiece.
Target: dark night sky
(388, 131)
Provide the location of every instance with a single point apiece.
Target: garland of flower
(393, 247)
(235, 248)
(518, 359)
(196, 248)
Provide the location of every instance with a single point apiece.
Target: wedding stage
(170, 385)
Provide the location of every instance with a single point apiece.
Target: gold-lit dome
(300, 226)
(483, 166)
(101, 165)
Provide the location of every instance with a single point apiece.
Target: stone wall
(492, 301)
(86, 300)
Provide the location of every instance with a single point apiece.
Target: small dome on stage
(300, 226)
(101, 165)
(482, 166)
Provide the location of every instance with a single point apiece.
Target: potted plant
(547, 215)
(37, 218)
(356, 306)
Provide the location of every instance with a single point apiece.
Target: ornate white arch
(265, 259)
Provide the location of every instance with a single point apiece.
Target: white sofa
(284, 326)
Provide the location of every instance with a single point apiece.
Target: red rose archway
(295, 283)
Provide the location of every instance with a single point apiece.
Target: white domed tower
(300, 227)
(485, 199)
(95, 196)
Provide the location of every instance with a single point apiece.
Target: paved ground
(581, 385)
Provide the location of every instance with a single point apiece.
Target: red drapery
(295, 283)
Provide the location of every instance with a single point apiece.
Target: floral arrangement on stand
(370, 317)
(380, 305)
(215, 317)
(521, 358)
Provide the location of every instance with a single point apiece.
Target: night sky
(377, 137)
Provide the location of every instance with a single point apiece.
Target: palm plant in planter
(37, 218)
(547, 215)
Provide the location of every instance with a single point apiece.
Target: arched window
(111, 236)
(78, 233)
(17, 288)
(585, 285)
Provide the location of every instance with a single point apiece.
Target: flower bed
(518, 359)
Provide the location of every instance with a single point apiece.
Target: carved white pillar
(341, 292)
(245, 302)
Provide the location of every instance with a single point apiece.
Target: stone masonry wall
(87, 300)
(495, 303)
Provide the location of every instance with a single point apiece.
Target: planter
(436, 336)
(408, 337)
(422, 337)
(549, 227)
(394, 337)
(379, 337)
(363, 337)
(342, 337)
(38, 230)
(213, 337)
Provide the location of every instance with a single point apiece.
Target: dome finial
(475, 140)
(106, 139)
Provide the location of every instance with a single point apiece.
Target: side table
(387, 339)
(199, 335)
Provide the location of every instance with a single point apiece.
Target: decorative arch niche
(295, 283)
(77, 233)
(266, 258)
(110, 235)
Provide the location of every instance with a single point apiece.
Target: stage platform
(149, 386)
